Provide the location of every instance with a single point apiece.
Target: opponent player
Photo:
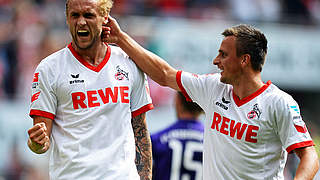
(250, 125)
(88, 104)
(177, 150)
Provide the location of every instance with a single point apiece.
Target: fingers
(110, 31)
(106, 29)
(106, 32)
(38, 133)
(110, 18)
(112, 23)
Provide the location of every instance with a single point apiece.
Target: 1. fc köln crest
(254, 113)
(121, 74)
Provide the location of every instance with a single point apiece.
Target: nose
(81, 21)
(216, 61)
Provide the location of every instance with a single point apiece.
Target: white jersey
(248, 138)
(91, 108)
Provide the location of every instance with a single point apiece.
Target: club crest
(121, 74)
(254, 113)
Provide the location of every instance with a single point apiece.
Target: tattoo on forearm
(143, 147)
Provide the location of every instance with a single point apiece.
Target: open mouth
(83, 33)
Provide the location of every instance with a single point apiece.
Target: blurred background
(187, 33)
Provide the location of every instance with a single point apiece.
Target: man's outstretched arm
(154, 66)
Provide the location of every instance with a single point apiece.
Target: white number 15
(185, 159)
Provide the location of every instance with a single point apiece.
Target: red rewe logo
(94, 98)
(234, 129)
(35, 77)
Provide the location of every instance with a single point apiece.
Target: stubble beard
(88, 46)
(224, 80)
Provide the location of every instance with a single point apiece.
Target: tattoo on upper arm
(143, 147)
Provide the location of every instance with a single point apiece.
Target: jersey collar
(86, 64)
(240, 102)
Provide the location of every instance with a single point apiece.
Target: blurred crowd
(32, 29)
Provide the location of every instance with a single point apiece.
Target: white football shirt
(91, 108)
(248, 138)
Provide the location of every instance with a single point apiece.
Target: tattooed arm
(143, 147)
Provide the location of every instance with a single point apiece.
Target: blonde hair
(103, 5)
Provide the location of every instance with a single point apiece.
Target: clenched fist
(39, 141)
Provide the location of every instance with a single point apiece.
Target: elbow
(162, 82)
(164, 78)
(317, 165)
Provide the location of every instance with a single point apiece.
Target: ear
(245, 59)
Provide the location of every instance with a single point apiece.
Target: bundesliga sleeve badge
(297, 119)
(35, 81)
(35, 85)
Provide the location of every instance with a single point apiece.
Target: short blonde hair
(104, 6)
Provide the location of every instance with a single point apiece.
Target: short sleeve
(140, 95)
(197, 88)
(43, 99)
(291, 128)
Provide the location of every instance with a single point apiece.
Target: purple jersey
(177, 151)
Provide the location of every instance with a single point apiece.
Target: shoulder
(51, 61)
(117, 51)
(213, 83)
(278, 97)
(212, 78)
(277, 94)
(117, 54)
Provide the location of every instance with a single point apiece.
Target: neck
(248, 85)
(94, 54)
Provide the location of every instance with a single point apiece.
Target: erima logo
(224, 101)
(76, 80)
(75, 76)
(121, 74)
